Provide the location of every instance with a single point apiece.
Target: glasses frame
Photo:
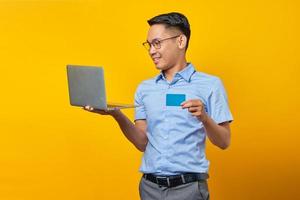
(157, 45)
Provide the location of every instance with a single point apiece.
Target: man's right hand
(101, 112)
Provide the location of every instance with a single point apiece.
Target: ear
(182, 40)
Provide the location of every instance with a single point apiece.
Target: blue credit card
(174, 99)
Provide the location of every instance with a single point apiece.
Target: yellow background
(50, 150)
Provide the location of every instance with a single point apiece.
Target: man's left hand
(196, 108)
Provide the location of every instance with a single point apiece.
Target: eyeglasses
(156, 43)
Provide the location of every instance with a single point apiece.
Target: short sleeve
(138, 101)
(218, 107)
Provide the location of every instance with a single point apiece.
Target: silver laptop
(86, 87)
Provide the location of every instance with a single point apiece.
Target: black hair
(173, 19)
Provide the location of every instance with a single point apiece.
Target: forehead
(158, 31)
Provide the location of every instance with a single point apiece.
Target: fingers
(196, 114)
(191, 103)
(194, 106)
(94, 110)
(194, 109)
(88, 108)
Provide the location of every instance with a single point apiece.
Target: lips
(155, 60)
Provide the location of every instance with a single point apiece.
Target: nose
(152, 50)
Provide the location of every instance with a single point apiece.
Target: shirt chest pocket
(176, 114)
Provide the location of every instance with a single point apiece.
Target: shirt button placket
(166, 120)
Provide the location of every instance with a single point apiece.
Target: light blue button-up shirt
(176, 138)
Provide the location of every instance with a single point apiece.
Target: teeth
(155, 59)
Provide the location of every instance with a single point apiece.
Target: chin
(160, 67)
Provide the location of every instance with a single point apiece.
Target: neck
(169, 73)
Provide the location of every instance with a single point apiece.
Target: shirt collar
(186, 73)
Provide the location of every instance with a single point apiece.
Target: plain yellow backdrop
(50, 150)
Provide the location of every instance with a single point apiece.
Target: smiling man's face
(167, 55)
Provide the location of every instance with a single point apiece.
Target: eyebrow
(154, 40)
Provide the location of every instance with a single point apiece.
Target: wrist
(204, 118)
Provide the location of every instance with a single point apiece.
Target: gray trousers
(190, 191)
